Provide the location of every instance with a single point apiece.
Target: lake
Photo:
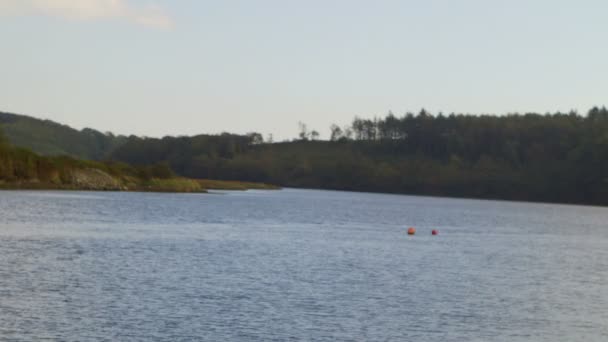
(299, 265)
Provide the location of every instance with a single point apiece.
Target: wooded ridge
(559, 157)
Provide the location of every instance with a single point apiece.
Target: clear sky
(177, 67)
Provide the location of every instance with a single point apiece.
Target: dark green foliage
(2, 138)
(159, 171)
(560, 157)
(186, 155)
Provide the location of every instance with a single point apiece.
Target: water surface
(298, 265)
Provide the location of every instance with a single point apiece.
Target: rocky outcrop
(94, 179)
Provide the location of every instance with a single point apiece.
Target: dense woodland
(561, 157)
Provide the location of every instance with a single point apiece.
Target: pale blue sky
(192, 66)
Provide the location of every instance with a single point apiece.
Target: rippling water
(298, 265)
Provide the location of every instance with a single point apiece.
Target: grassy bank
(210, 184)
(177, 184)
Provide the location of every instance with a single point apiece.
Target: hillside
(23, 169)
(49, 138)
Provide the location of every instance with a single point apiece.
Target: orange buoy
(435, 232)
(411, 231)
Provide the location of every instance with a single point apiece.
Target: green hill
(49, 138)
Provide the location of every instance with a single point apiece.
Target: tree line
(559, 157)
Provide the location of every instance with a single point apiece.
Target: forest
(557, 157)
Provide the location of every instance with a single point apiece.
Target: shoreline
(171, 185)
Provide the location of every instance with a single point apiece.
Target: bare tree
(303, 131)
(336, 132)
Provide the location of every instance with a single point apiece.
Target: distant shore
(176, 185)
(22, 169)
